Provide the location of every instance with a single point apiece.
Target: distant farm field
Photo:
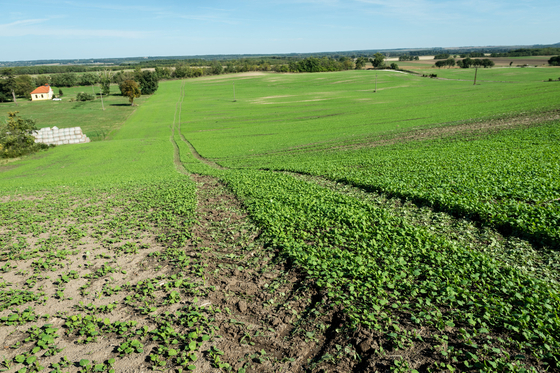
(355, 221)
(533, 61)
(275, 112)
(95, 122)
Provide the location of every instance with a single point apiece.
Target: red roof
(42, 89)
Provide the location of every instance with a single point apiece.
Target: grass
(498, 74)
(421, 245)
(277, 112)
(95, 123)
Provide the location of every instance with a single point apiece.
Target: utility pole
(375, 84)
(475, 72)
(101, 93)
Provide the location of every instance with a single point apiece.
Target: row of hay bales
(60, 136)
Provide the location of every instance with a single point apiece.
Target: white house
(44, 92)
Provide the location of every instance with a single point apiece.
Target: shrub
(82, 96)
(16, 137)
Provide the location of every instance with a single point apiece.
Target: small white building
(44, 92)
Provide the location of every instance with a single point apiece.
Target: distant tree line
(472, 55)
(525, 52)
(450, 62)
(468, 62)
(407, 57)
(442, 56)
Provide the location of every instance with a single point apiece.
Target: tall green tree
(360, 62)
(216, 68)
(148, 82)
(378, 60)
(24, 86)
(8, 83)
(42, 80)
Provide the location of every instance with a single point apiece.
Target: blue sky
(57, 29)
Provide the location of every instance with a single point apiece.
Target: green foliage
(130, 89)
(64, 80)
(522, 52)
(163, 72)
(24, 86)
(554, 61)
(450, 62)
(442, 56)
(361, 63)
(16, 137)
(89, 79)
(148, 81)
(216, 68)
(409, 58)
(378, 60)
(42, 80)
(82, 96)
(7, 84)
(468, 62)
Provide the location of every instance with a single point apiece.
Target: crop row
(507, 180)
(383, 271)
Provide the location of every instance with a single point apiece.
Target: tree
(378, 60)
(9, 84)
(216, 68)
(554, 61)
(65, 80)
(24, 86)
(82, 96)
(137, 73)
(394, 66)
(360, 62)
(163, 72)
(60, 93)
(42, 80)
(130, 89)
(487, 63)
(89, 79)
(16, 137)
(181, 71)
(148, 82)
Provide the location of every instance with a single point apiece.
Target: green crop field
(499, 74)
(310, 224)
